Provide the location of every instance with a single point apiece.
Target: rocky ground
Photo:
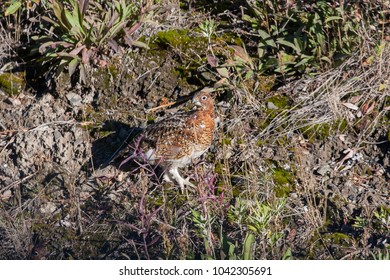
(301, 170)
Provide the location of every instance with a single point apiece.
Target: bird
(176, 141)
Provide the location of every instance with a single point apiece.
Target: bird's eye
(204, 97)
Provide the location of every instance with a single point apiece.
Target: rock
(323, 169)
(64, 148)
(272, 106)
(74, 99)
(13, 101)
(48, 208)
(6, 195)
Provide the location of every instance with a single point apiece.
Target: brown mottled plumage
(175, 141)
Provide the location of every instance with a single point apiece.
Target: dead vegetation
(299, 168)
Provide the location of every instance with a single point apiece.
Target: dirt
(55, 173)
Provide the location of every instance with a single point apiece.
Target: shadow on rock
(111, 149)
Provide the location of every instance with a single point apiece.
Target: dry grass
(362, 81)
(278, 183)
(6, 47)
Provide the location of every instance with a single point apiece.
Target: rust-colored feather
(180, 138)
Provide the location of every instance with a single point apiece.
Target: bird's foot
(166, 178)
(188, 183)
(185, 182)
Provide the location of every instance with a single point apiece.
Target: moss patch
(173, 38)
(280, 101)
(11, 83)
(284, 182)
(322, 131)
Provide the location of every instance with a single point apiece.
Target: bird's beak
(196, 102)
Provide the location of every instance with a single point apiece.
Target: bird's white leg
(166, 178)
(175, 173)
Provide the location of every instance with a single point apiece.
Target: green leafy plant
(208, 29)
(13, 7)
(247, 249)
(80, 32)
(255, 220)
(288, 255)
(15, 12)
(360, 223)
(383, 216)
(238, 69)
(260, 219)
(202, 225)
(237, 213)
(304, 37)
(381, 256)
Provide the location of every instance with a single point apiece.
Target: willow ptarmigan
(176, 141)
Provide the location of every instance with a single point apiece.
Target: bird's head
(203, 99)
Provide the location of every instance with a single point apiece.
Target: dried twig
(161, 107)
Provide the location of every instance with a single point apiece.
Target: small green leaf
(288, 255)
(324, 58)
(304, 61)
(140, 44)
(267, 38)
(288, 44)
(260, 52)
(271, 62)
(264, 34)
(248, 246)
(59, 12)
(43, 47)
(73, 66)
(382, 87)
(224, 72)
(287, 58)
(332, 18)
(249, 19)
(13, 8)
